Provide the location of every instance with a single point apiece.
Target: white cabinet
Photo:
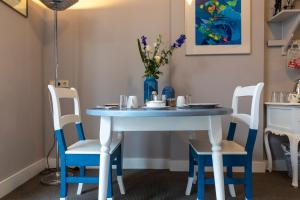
(284, 119)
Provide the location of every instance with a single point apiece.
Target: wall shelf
(288, 20)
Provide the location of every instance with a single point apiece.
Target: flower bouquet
(154, 57)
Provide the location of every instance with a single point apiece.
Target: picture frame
(214, 27)
(20, 6)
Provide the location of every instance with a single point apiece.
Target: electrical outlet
(60, 83)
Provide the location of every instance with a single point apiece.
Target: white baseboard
(52, 162)
(11, 183)
(178, 165)
(133, 163)
(172, 165)
(145, 163)
(182, 165)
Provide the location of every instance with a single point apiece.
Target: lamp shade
(14, 2)
(59, 5)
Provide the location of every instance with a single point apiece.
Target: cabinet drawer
(284, 118)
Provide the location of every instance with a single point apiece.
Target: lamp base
(52, 178)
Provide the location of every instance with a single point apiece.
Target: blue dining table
(170, 119)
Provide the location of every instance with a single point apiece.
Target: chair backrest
(64, 93)
(255, 91)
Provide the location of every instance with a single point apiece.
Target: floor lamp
(56, 5)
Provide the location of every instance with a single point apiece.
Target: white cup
(132, 102)
(180, 101)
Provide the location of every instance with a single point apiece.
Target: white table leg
(215, 137)
(105, 140)
(268, 151)
(294, 159)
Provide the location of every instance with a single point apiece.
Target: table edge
(158, 113)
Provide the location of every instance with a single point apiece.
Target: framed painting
(218, 26)
(21, 6)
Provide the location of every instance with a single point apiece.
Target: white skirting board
(172, 165)
(11, 183)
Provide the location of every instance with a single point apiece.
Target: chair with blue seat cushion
(234, 154)
(84, 152)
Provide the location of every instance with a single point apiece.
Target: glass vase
(150, 85)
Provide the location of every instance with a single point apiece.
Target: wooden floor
(160, 185)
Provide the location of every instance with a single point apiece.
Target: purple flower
(144, 40)
(179, 42)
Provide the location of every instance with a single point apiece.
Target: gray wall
(21, 76)
(99, 55)
(214, 78)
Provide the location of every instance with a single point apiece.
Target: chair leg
(189, 186)
(63, 181)
(248, 180)
(268, 151)
(232, 190)
(80, 185)
(191, 173)
(120, 171)
(294, 160)
(195, 178)
(121, 184)
(201, 178)
(109, 186)
(230, 186)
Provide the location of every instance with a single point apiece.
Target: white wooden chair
(234, 154)
(84, 152)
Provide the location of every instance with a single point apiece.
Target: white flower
(155, 44)
(148, 48)
(157, 59)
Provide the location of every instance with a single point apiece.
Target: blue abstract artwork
(218, 22)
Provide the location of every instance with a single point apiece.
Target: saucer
(156, 108)
(201, 105)
(155, 104)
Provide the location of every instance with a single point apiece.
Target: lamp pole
(56, 47)
(53, 178)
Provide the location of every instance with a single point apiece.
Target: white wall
(21, 76)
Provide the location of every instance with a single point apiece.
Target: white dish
(105, 107)
(112, 104)
(155, 104)
(156, 108)
(201, 105)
